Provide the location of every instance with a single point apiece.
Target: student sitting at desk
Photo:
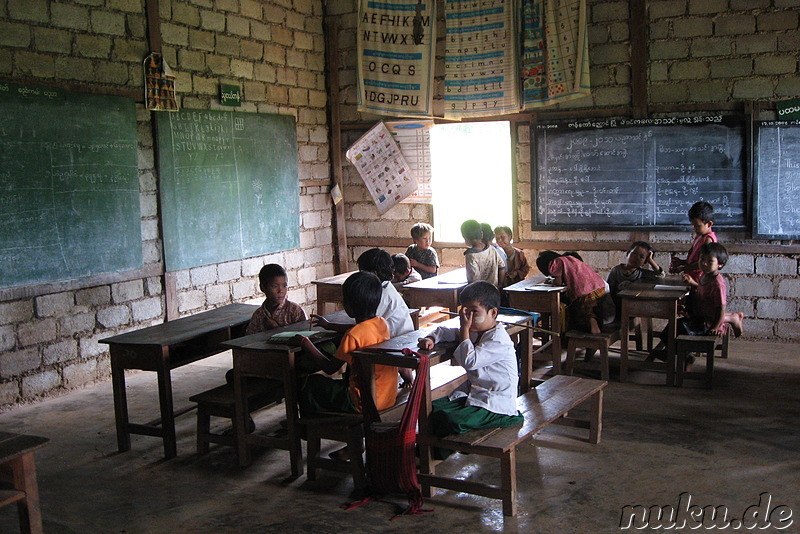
(482, 261)
(361, 295)
(421, 254)
(517, 267)
(487, 353)
(392, 307)
(590, 306)
(275, 311)
(707, 308)
(624, 274)
(404, 273)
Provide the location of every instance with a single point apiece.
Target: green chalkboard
(69, 185)
(229, 186)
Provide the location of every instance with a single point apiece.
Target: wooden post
(340, 251)
(639, 52)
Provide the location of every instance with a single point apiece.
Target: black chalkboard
(229, 186)
(69, 185)
(638, 173)
(776, 204)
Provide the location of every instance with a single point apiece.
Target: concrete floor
(724, 446)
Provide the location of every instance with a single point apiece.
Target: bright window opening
(471, 176)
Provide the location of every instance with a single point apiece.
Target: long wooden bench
(548, 403)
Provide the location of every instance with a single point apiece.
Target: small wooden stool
(601, 342)
(17, 463)
(702, 344)
(220, 402)
(346, 428)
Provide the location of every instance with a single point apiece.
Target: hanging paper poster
(159, 84)
(396, 45)
(481, 74)
(414, 138)
(386, 173)
(555, 55)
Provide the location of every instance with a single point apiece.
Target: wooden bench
(221, 402)
(548, 403)
(602, 341)
(17, 463)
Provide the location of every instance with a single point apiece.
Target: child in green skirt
(487, 353)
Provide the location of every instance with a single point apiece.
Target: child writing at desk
(330, 392)
(701, 215)
(421, 254)
(590, 306)
(404, 273)
(707, 308)
(482, 261)
(487, 354)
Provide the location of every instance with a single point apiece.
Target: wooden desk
(531, 295)
(17, 457)
(643, 300)
(439, 290)
(329, 292)
(254, 356)
(162, 348)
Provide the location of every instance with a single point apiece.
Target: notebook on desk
(544, 287)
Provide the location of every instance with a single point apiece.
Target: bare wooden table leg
(241, 413)
(167, 410)
(292, 425)
(120, 404)
(24, 474)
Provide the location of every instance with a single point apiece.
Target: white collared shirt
(491, 364)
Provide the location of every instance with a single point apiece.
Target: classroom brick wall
(701, 52)
(274, 50)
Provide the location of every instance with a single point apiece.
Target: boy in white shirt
(487, 353)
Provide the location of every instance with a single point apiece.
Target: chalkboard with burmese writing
(229, 186)
(776, 204)
(69, 185)
(638, 173)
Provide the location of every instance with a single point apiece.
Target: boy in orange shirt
(337, 390)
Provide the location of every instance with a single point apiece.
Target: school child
(640, 254)
(517, 267)
(590, 306)
(328, 392)
(701, 215)
(486, 352)
(488, 240)
(392, 307)
(404, 273)
(482, 261)
(421, 254)
(707, 310)
(274, 312)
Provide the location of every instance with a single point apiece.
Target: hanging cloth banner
(396, 46)
(380, 163)
(555, 55)
(481, 71)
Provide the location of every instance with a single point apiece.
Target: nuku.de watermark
(686, 515)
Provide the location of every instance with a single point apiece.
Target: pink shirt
(709, 298)
(579, 278)
(694, 253)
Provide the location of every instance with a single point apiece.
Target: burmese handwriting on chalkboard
(644, 173)
(229, 186)
(69, 185)
(776, 212)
